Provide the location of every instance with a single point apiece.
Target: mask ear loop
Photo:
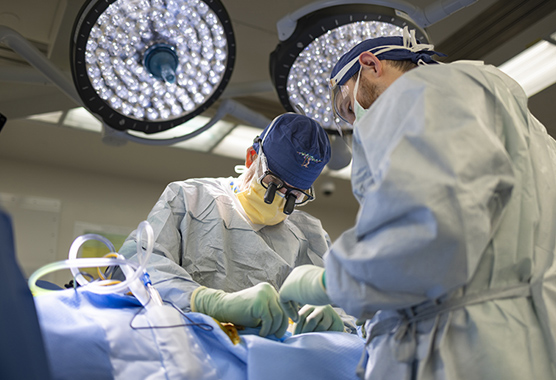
(355, 90)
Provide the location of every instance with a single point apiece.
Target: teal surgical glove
(318, 318)
(258, 305)
(303, 286)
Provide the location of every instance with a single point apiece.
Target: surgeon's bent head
(370, 67)
(283, 163)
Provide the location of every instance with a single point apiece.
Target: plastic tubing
(74, 249)
(100, 287)
(143, 257)
(83, 263)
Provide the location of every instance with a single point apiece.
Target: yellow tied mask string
(257, 210)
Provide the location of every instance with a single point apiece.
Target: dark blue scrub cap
(384, 48)
(296, 148)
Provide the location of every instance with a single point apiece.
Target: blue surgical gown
(456, 182)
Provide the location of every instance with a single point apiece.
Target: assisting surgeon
(451, 260)
(223, 246)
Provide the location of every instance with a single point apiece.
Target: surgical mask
(358, 110)
(257, 210)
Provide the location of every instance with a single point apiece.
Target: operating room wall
(83, 197)
(51, 200)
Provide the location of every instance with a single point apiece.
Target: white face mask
(358, 109)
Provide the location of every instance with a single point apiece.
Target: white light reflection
(127, 28)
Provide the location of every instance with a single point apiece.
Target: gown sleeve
(172, 281)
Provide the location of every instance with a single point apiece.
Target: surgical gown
(451, 258)
(203, 237)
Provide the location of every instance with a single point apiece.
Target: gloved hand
(250, 307)
(304, 285)
(318, 318)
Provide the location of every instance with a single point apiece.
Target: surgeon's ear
(250, 156)
(369, 61)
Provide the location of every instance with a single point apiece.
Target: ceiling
(489, 30)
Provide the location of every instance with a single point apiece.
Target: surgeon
(223, 246)
(451, 260)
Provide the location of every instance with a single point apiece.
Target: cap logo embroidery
(307, 159)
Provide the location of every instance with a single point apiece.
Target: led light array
(114, 56)
(151, 65)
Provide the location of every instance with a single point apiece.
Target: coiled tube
(131, 270)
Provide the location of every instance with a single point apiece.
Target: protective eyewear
(271, 182)
(341, 103)
(339, 94)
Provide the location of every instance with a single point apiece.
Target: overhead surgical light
(151, 65)
(313, 38)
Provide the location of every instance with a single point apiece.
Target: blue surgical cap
(384, 48)
(296, 148)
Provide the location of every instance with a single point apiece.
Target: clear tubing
(130, 277)
(198, 362)
(83, 263)
(74, 249)
(100, 287)
(144, 256)
(142, 290)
